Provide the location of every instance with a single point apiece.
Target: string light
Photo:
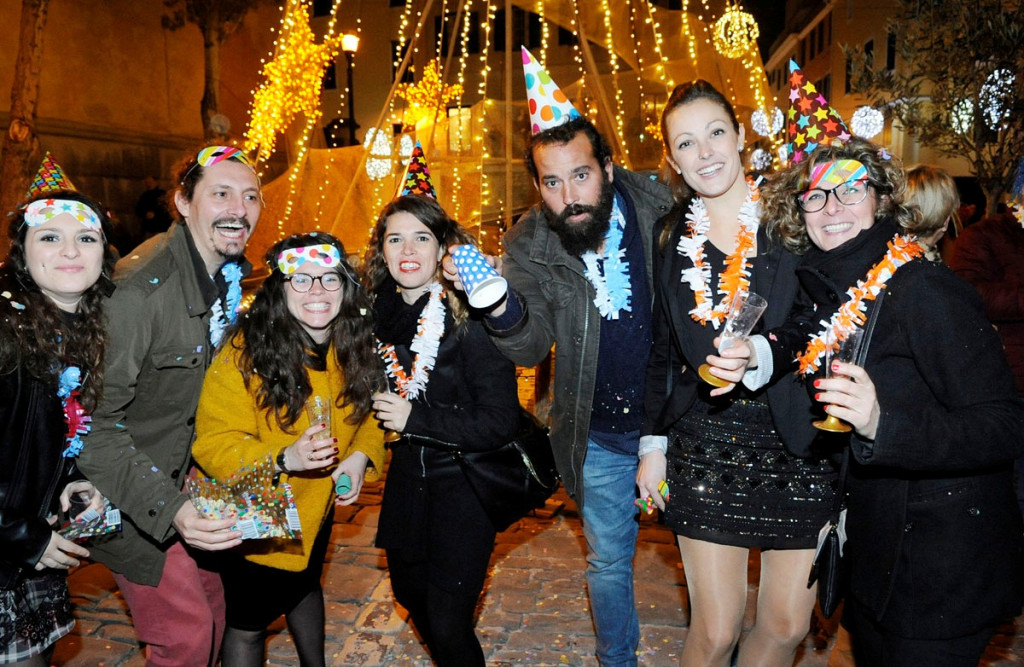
(866, 122)
(766, 123)
(995, 96)
(428, 94)
(292, 81)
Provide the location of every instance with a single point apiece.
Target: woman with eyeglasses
(52, 343)
(308, 333)
(447, 386)
(935, 532)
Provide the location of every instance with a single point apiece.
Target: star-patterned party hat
(417, 177)
(811, 122)
(49, 177)
(549, 107)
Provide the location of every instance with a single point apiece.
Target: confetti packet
(91, 523)
(261, 508)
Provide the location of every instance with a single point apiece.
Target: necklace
(735, 279)
(609, 272)
(424, 345)
(219, 319)
(74, 414)
(853, 313)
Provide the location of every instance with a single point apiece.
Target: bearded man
(578, 265)
(176, 294)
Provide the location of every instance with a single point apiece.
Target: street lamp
(350, 44)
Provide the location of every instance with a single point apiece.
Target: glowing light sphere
(767, 123)
(760, 159)
(734, 32)
(866, 122)
(378, 163)
(995, 97)
(962, 116)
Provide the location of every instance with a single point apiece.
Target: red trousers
(182, 618)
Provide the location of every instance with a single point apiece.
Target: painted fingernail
(817, 383)
(817, 397)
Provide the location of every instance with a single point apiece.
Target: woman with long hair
(51, 350)
(307, 334)
(448, 386)
(733, 485)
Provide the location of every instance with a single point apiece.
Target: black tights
(444, 619)
(247, 648)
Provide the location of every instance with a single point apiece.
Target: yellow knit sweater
(232, 432)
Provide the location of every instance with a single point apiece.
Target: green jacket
(560, 311)
(139, 450)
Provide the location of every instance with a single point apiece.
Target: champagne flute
(745, 311)
(847, 353)
(382, 384)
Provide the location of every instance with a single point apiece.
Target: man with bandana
(579, 270)
(175, 296)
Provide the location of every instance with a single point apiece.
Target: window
(472, 38)
(525, 29)
(890, 51)
(825, 86)
(848, 83)
(330, 81)
(322, 7)
(869, 53)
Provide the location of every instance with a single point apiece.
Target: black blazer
(681, 344)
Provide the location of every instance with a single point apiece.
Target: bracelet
(282, 466)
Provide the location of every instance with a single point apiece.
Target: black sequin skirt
(732, 481)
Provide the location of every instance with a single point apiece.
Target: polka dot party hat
(549, 107)
(417, 177)
(50, 177)
(811, 122)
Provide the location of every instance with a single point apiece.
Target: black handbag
(830, 569)
(515, 478)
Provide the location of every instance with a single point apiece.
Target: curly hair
(275, 347)
(38, 337)
(187, 172)
(683, 94)
(885, 176)
(447, 232)
(563, 134)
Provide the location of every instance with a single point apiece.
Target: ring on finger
(310, 456)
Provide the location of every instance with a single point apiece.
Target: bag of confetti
(91, 523)
(262, 508)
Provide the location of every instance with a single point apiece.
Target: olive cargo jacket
(139, 450)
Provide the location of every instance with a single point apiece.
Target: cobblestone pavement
(534, 610)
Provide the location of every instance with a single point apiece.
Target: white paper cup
(484, 287)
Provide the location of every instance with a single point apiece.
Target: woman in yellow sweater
(308, 333)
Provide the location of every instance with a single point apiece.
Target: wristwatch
(280, 461)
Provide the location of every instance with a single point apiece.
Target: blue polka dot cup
(484, 287)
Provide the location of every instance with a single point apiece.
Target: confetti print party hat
(549, 107)
(811, 122)
(50, 177)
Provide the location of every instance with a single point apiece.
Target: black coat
(472, 400)
(935, 533)
(681, 344)
(33, 471)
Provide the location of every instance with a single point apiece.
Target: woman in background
(451, 387)
(934, 193)
(51, 375)
(307, 333)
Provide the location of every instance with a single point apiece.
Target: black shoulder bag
(829, 568)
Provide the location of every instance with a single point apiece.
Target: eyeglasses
(303, 282)
(849, 193)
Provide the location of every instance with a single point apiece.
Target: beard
(587, 235)
(234, 251)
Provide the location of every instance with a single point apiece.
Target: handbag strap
(862, 357)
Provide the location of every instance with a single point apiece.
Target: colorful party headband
(837, 173)
(211, 155)
(42, 211)
(549, 107)
(324, 254)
